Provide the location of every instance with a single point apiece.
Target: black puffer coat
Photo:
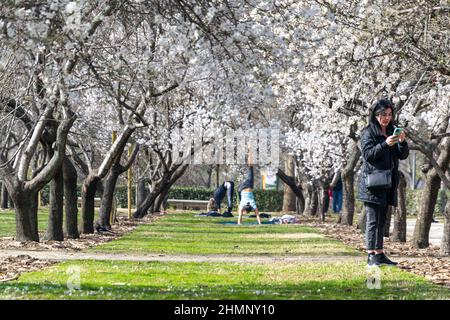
(378, 155)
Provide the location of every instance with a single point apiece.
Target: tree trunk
(217, 175)
(348, 198)
(362, 219)
(429, 199)
(159, 201)
(399, 232)
(289, 195)
(308, 198)
(107, 200)
(4, 203)
(141, 193)
(423, 222)
(162, 187)
(445, 244)
(315, 203)
(88, 191)
(348, 192)
(146, 205)
(387, 225)
(209, 172)
(325, 202)
(70, 199)
(55, 215)
(312, 202)
(25, 203)
(300, 203)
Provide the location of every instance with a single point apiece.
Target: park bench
(98, 202)
(182, 204)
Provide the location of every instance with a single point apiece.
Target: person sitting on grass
(212, 209)
(247, 198)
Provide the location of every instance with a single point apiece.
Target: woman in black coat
(381, 150)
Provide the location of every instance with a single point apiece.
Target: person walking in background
(381, 151)
(337, 196)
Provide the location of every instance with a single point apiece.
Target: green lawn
(8, 222)
(180, 280)
(183, 233)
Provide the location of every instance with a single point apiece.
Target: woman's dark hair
(378, 108)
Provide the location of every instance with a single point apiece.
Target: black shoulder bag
(380, 179)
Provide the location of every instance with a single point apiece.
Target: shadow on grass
(312, 290)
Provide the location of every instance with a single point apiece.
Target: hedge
(267, 200)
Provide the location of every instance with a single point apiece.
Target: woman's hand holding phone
(391, 140)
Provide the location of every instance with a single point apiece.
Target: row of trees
(73, 71)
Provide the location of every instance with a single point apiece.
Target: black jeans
(375, 221)
(219, 194)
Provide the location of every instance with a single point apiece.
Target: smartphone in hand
(397, 131)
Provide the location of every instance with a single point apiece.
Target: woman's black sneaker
(382, 260)
(371, 260)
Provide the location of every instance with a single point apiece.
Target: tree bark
(289, 195)
(141, 193)
(146, 205)
(445, 244)
(387, 225)
(399, 232)
(308, 196)
(26, 215)
(348, 192)
(56, 212)
(107, 200)
(312, 201)
(423, 222)
(110, 186)
(4, 202)
(88, 191)
(159, 201)
(71, 199)
(209, 172)
(362, 220)
(164, 186)
(300, 204)
(429, 199)
(325, 202)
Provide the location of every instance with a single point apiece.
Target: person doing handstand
(247, 198)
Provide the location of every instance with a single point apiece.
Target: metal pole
(111, 215)
(413, 170)
(217, 176)
(129, 183)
